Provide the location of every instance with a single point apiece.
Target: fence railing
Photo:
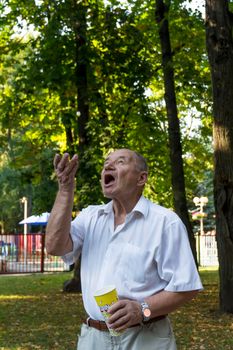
(18, 255)
(26, 254)
(207, 253)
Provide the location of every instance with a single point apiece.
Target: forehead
(121, 153)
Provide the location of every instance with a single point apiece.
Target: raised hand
(65, 169)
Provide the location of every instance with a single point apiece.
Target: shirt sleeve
(175, 260)
(77, 232)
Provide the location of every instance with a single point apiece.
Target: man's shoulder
(157, 209)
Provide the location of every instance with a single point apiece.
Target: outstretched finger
(62, 164)
(71, 166)
(56, 160)
(75, 164)
(74, 161)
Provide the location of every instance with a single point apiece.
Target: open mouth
(109, 179)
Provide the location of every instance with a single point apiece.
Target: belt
(101, 325)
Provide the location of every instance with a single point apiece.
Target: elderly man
(140, 247)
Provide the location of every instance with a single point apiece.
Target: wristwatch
(146, 312)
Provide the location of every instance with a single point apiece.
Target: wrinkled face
(120, 174)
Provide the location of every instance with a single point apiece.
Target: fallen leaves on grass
(45, 318)
(199, 325)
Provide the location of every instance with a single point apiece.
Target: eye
(120, 161)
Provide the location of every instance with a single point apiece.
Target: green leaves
(124, 93)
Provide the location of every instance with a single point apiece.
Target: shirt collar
(140, 207)
(105, 208)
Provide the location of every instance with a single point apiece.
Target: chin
(108, 195)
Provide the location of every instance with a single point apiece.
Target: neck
(122, 207)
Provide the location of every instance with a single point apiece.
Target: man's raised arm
(57, 238)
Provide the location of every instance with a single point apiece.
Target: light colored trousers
(154, 336)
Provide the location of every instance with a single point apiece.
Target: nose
(109, 165)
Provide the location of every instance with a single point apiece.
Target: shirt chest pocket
(134, 264)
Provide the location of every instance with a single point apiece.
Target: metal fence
(207, 252)
(27, 254)
(21, 253)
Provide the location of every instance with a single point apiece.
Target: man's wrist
(67, 188)
(146, 312)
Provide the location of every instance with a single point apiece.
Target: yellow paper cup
(105, 297)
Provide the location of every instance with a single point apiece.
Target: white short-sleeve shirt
(150, 252)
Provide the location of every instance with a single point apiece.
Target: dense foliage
(56, 56)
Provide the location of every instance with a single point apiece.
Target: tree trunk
(219, 44)
(178, 182)
(73, 285)
(80, 28)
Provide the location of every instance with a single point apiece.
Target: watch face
(147, 312)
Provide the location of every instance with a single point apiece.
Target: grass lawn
(36, 314)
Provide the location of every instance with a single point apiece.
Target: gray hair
(141, 162)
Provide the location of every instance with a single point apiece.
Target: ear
(142, 178)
